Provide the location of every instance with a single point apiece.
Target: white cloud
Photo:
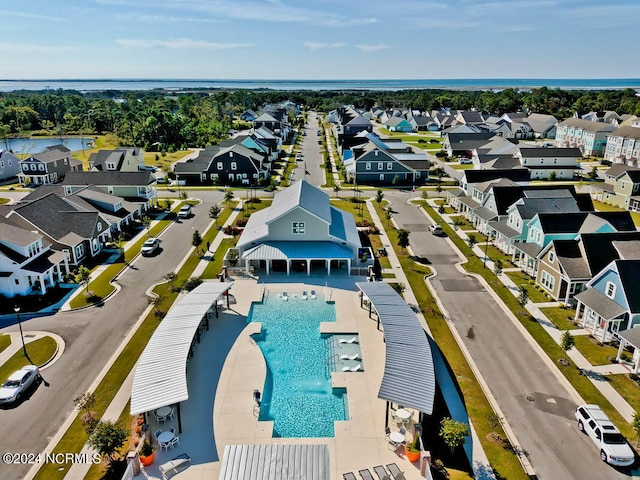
(25, 49)
(33, 16)
(176, 43)
(164, 19)
(364, 47)
(319, 45)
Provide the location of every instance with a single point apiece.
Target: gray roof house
(300, 232)
(49, 166)
(9, 165)
(120, 159)
(133, 186)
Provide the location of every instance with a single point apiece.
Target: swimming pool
(297, 395)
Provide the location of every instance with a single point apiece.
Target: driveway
(534, 402)
(91, 336)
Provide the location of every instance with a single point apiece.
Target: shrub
(191, 283)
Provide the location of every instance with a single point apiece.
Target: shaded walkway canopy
(275, 462)
(409, 378)
(160, 378)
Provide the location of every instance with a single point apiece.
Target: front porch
(598, 313)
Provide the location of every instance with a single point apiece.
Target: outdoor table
(397, 437)
(403, 414)
(165, 437)
(163, 412)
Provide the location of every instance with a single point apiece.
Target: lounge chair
(357, 368)
(366, 474)
(304, 295)
(396, 473)
(285, 296)
(313, 295)
(349, 476)
(348, 340)
(355, 356)
(381, 472)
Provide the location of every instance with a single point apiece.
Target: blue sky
(319, 39)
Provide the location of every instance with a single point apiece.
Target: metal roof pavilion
(275, 462)
(160, 378)
(406, 343)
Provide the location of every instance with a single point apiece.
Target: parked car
(18, 383)
(185, 211)
(614, 448)
(435, 229)
(150, 246)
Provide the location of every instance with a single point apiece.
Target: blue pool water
(298, 395)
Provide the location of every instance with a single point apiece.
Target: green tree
(567, 342)
(214, 212)
(472, 240)
(497, 267)
(228, 196)
(196, 241)
(553, 176)
(636, 426)
(457, 223)
(403, 238)
(336, 189)
(107, 437)
(388, 213)
(441, 209)
(593, 174)
(379, 196)
(523, 297)
(453, 432)
(395, 180)
(83, 277)
(146, 221)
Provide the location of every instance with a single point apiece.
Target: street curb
(60, 348)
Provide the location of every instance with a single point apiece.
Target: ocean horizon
(180, 85)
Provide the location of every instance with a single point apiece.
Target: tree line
(158, 119)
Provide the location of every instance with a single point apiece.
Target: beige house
(623, 146)
(621, 187)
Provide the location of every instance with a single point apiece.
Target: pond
(35, 145)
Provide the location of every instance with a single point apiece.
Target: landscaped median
(580, 382)
(39, 351)
(75, 437)
(502, 459)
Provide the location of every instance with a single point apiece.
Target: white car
(436, 229)
(150, 246)
(185, 211)
(18, 383)
(614, 448)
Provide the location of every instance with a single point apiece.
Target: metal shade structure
(275, 462)
(406, 344)
(160, 378)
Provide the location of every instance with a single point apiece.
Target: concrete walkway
(594, 373)
(16, 346)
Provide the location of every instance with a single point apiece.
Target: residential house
(469, 117)
(463, 144)
(248, 115)
(77, 232)
(120, 159)
(470, 179)
(300, 232)
(138, 187)
(606, 116)
(349, 123)
(398, 124)
(547, 163)
(233, 165)
(623, 146)
(421, 123)
(611, 302)
(543, 126)
(565, 266)
(28, 264)
(9, 165)
(621, 187)
(589, 137)
(49, 166)
(376, 165)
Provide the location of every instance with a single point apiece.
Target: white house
(542, 162)
(301, 232)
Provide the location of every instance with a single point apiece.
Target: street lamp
(24, 348)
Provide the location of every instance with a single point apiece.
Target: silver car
(150, 246)
(18, 383)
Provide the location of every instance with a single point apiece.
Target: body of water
(33, 145)
(178, 85)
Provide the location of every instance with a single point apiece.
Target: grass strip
(5, 341)
(39, 351)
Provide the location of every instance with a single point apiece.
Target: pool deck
(228, 366)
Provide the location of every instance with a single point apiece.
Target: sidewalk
(594, 373)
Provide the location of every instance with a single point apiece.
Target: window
(255, 175)
(382, 177)
(380, 165)
(33, 167)
(219, 166)
(9, 162)
(17, 282)
(547, 281)
(214, 177)
(389, 165)
(234, 166)
(79, 251)
(244, 175)
(99, 226)
(551, 256)
(611, 289)
(297, 228)
(1, 164)
(368, 166)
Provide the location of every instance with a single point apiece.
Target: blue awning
(409, 378)
(298, 251)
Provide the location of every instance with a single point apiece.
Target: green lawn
(494, 254)
(5, 341)
(462, 166)
(463, 222)
(629, 389)
(595, 353)
(580, 382)
(560, 317)
(521, 278)
(503, 461)
(39, 351)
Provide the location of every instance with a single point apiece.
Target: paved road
(91, 337)
(309, 168)
(533, 400)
